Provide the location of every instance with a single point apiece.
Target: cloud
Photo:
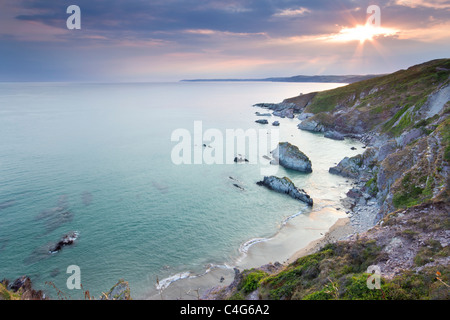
(188, 38)
(292, 12)
(434, 4)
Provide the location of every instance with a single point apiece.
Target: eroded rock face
(290, 157)
(285, 185)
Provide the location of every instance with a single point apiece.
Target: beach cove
(94, 160)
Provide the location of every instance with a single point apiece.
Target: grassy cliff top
(404, 87)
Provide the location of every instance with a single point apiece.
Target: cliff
(399, 205)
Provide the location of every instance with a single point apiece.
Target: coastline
(300, 234)
(340, 230)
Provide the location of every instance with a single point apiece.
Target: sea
(127, 168)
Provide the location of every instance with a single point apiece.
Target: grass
(410, 193)
(338, 271)
(395, 94)
(5, 294)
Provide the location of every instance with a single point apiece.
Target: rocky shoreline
(400, 195)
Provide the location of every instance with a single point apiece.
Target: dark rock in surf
(285, 185)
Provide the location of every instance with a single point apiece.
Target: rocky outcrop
(334, 135)
(304, 116)
(399, 201)
(311, 125)
(20, 289)
(285, 185)
(66, 240)
(240, 159)
(348, 167)
(301, 101)
(290, 157)
(285, 113)
(120, 291)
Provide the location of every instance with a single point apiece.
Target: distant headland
(301, 78)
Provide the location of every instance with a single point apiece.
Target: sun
(362, 33)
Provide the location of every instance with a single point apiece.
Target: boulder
(285, 185)
(262, 121)
(311, 125)
(334, 135)
(348, 167)
(290, 157)
(276, 123)
(240, 159)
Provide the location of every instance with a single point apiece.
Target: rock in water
(262, 121)
(285, 185)
(348, 167)
(276, 123)
(240, 159)
(66, 240)
(290, 157)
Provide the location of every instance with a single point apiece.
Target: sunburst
(362, 33)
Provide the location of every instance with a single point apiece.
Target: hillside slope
(399, 206)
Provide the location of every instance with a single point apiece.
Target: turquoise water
(96, 159)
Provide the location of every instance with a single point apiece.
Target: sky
(171, 40)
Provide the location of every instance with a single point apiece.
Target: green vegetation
(321, 275)
(250, 282)
(411, 194)
(338, 271)
(5, 294)
(413, 175)
(382, 101)
(371, 185)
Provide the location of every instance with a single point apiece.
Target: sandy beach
(293, 241)
(339, 231)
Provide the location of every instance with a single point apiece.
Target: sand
(339, 231)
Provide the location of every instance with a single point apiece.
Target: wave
(166, 282)
(243, 249)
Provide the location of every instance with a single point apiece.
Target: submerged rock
(290, 157)
(259, 114)
(285, 185)
(262, 121)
